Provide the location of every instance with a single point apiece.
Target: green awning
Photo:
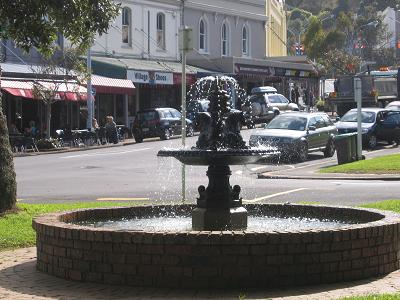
(110, 68)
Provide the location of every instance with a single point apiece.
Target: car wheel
(302, 155)
(166, 134)
(372, 141)
(276, 112)
(189, 131)
(329, 149)
(138, 139)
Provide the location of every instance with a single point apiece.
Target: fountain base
(208, 219)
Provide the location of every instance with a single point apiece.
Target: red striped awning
(71, 91)
(106, 85)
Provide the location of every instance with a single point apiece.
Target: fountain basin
(199, 157)
(204, 259)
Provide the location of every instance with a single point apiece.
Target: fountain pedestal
(219, 205)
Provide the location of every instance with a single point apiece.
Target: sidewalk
(73, 149)
(19, 279)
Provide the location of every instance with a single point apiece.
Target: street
(135, 173)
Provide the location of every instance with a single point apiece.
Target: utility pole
(358, 99)
(185, 45)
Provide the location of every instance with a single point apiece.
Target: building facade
(391, 18)
(234, 37)
(276, 31)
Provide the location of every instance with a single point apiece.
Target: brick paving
(19, 279)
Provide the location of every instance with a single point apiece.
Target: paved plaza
(19, 279)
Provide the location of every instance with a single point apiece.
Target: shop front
(157, 83)
(158, 89)
(22, 106)
(283, 73)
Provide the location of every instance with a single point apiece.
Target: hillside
(316, 6)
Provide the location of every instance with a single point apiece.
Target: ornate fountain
(219, 206)
(154, 246)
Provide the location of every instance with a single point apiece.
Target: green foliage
(16, 228)
(8, 185)
(315, 38)
(47, 144)
(37, 23)
(320, 104)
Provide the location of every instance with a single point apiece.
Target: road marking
(274, 195)
(108, 153)
(123, 199)
(258, 168)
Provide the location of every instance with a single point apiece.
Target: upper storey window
(224, 39)
(245, 41)
(161, 30)
(126, 26)
(203, 35)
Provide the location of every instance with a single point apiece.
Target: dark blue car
(377, 124)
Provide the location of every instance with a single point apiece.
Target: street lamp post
(89, 95)
(185, 45)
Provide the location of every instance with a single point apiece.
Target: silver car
(296, 134)
(261, 108)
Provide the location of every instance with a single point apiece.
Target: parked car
(377, 124)
(296, 134)
(159, 122)
(264, 90)
(263, 107)
(194, 107)
(394, 105)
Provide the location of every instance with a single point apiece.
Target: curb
(317, 177)
(66, 150)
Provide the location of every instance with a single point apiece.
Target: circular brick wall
(199, 259)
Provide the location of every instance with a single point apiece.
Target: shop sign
(252, 69)
(190, 78)
(150, 77)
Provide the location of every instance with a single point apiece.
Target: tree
(314, 38)
(67, 70)
(37, 24)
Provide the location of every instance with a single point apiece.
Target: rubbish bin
(346, 147)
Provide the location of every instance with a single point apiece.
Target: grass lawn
(374, 297)
(389, 164)
(16, 228)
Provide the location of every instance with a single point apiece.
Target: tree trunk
(48, 119)
(8, 184)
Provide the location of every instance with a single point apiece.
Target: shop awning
(106, 85)
(71, 91)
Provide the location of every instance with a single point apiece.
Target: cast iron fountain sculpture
(219, 206)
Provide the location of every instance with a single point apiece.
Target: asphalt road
(135, 173)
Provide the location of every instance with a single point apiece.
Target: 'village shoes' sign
(150, 77)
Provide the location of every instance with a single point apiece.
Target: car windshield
(147, 115)
(366, 117)
(197, 106)
(288, 122)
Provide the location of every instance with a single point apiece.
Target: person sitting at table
(95, 125)
(13, 129)
(31, 130)
(111, 130)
